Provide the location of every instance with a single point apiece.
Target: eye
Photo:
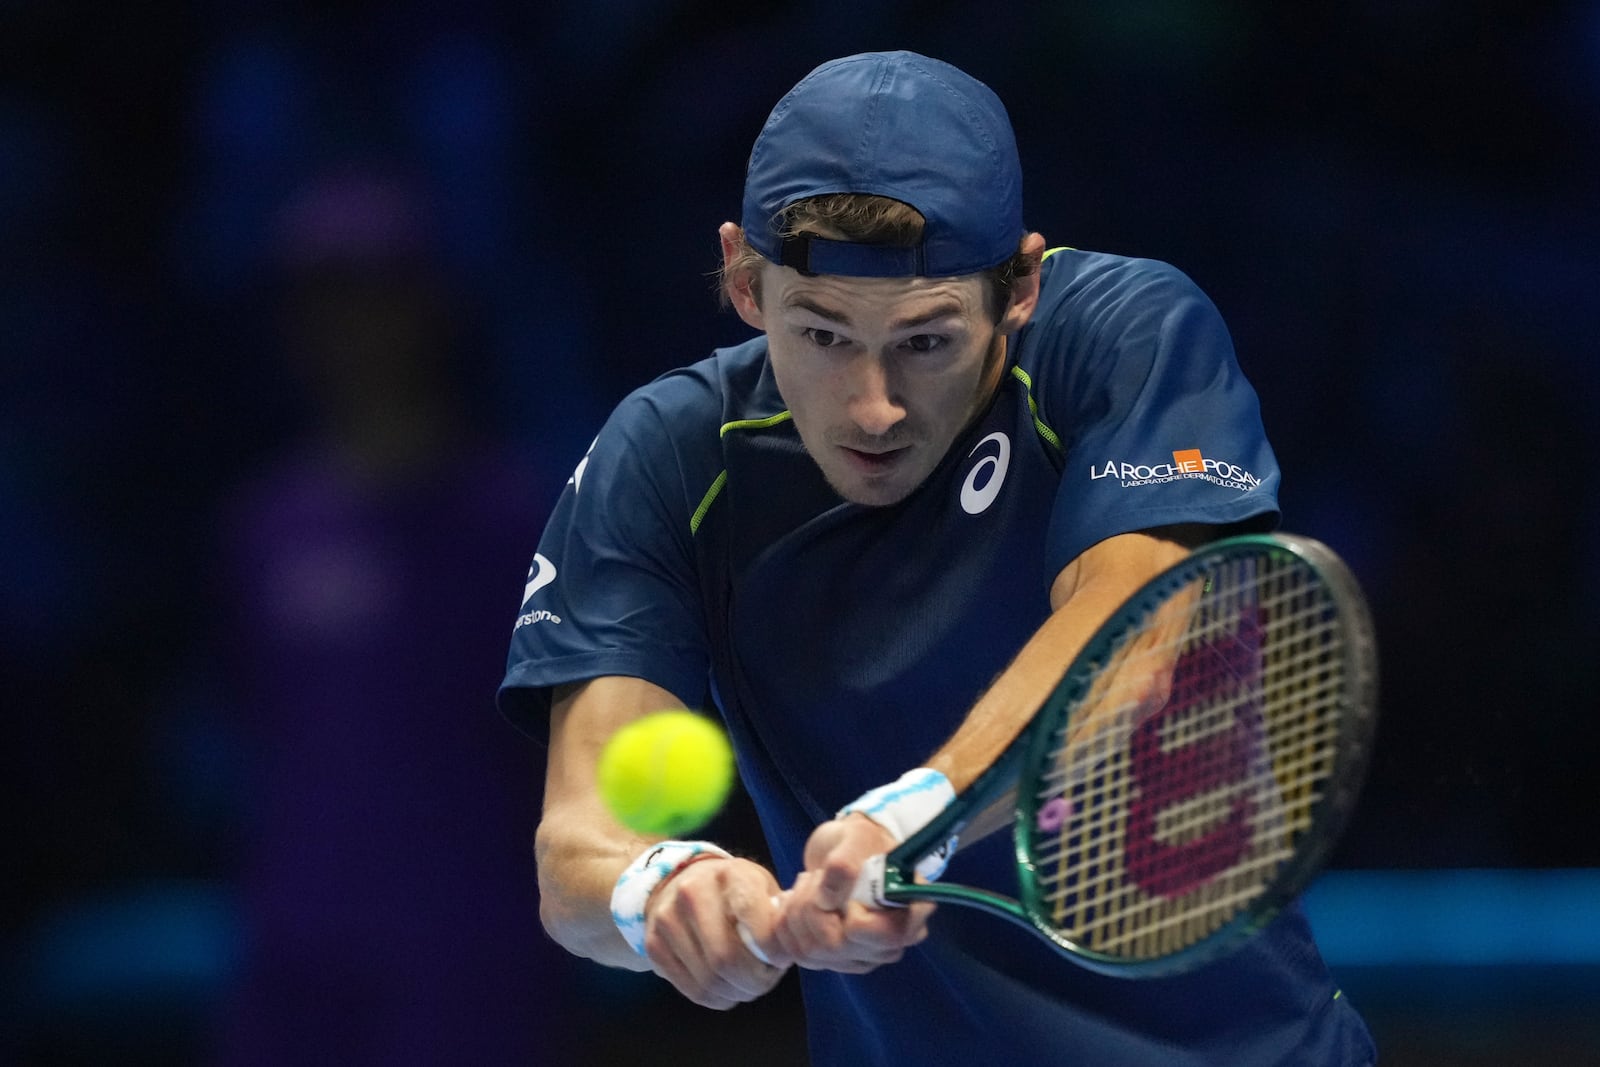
(924, 342)
(820, 338)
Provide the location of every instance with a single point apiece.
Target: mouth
(875, 462)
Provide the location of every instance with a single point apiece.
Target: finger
(733, 935)
(690, 934)
(670, 964)
(885, 931)
(848, 965)
(852, 944)
(821, 940)
(804, 930)
(725, 979)
(741, 962)
(837, 883)
(745, 978)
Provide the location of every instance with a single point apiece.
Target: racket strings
(1184, 777)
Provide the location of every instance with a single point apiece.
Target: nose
(873, 404)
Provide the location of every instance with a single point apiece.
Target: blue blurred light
(173, 942)
(1457, 917)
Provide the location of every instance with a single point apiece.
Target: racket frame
(1034, 749)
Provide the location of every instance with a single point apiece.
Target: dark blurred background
(307, 311)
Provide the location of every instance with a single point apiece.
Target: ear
(1025, 292)
(738, 283)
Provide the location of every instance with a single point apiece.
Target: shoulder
(1098, 310)
(665, 438)
(688, 406)
(1091, 289)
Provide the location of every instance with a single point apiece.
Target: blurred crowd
(307, 312)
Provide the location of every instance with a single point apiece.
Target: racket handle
(869, 885)
(749, 939)
(750, 943)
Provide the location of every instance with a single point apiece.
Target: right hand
(822, 928)
(692, 932)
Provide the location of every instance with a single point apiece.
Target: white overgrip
(869, 885)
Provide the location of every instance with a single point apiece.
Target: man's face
(881, 374)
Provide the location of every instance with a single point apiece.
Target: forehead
(871, 299)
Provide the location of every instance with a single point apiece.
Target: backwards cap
(899, 125)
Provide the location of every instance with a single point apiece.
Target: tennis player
(871, 538)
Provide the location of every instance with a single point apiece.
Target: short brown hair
(868, 219)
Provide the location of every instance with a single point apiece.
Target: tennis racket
(1189, 774)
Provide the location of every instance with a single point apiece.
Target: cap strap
(810, 254)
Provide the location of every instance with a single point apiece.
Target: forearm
(579, 865)
(1083, 597)
(580, 849)
(1021, 689)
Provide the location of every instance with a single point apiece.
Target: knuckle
(680, 903)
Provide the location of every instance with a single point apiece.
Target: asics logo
(987, 475)
(541, 574)
(576, 481)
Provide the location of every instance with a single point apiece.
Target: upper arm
(615, 587)
(1121, 563)
(1158, 423)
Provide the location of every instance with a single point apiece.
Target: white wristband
(653, 866)
(907, 805)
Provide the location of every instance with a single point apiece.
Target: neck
(994, 372)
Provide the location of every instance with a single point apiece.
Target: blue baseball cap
(899, 125)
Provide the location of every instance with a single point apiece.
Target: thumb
(837, 883)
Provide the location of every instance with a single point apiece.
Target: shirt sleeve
(612, 588)
(1160, 425)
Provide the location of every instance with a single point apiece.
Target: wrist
(905, 806)
(649, 870)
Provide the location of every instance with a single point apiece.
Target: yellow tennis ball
(666, 773)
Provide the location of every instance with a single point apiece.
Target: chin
(872, 494)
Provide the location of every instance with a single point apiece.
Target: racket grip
(750, 943)
(869, 885)
(749, 939)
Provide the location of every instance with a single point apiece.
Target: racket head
(1158, 826)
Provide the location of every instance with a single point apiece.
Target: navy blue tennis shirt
(697, 546)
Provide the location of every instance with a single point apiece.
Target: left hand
(821, 928)
(692, 922)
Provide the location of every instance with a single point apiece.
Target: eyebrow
(805, 303)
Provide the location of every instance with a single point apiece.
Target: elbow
(550, 915)
(556, 913)
(559, 920)
(575, 900)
